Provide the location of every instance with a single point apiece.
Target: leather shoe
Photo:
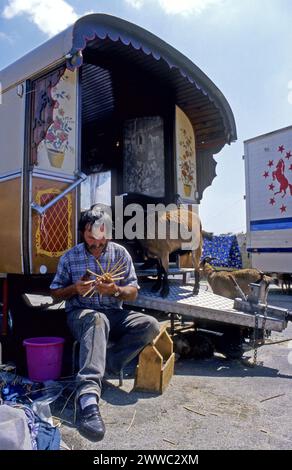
(90, 423)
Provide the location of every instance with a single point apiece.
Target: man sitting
(95, 312)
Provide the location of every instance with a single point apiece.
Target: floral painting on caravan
(57, 150)
(185, 157)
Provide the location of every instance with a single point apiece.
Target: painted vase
(56, 157)
(187, 190)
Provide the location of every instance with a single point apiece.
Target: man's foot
(90, 423)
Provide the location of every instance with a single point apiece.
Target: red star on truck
(271, 163)
(266, 174)
(271, 187)
(281, 148)
(288, 155)
(283, 209)
(272, 201)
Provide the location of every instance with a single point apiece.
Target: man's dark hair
(88, 217)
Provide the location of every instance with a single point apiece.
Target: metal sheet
(205, 306)
(12, 110)
(10, 236)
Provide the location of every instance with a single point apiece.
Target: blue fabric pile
(19, 392)
(225, 249)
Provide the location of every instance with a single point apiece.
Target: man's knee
(152, 329)
(97, 320)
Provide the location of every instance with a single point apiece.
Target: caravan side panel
(10, 216)
(12, 112)
(54, 156)
(54, 232)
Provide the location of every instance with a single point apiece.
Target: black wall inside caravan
(112, 94)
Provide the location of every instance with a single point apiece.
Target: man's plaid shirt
(73, 265)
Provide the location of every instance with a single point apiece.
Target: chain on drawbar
(256, 334)
(255, 337)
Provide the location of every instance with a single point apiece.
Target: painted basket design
(54, 228)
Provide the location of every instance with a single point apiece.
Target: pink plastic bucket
(44, 358)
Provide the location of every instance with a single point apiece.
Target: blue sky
(244, 46)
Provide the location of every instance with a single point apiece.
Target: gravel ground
(210, 404)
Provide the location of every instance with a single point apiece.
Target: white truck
(268, 178)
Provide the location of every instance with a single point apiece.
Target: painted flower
(57, 136)
(186, 164)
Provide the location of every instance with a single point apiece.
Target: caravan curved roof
(194, 92)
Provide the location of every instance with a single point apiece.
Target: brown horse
(279, 175)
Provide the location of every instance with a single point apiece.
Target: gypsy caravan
(102, 109)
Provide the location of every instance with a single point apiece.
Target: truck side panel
(272, 262)
(268, 164)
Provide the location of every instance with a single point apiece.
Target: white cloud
(51, 16)
(5, 37)
(186, 7)
(177, 7)
(136, 3)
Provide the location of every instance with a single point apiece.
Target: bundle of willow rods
(108, 275)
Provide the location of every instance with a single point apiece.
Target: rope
(277, 342)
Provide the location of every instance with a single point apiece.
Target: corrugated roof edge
(75, 37)
(101, 25)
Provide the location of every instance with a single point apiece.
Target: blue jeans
(129, 330)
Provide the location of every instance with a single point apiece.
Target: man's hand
(110, 288)
(106, 288)
(82, 286)
(79, 288)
